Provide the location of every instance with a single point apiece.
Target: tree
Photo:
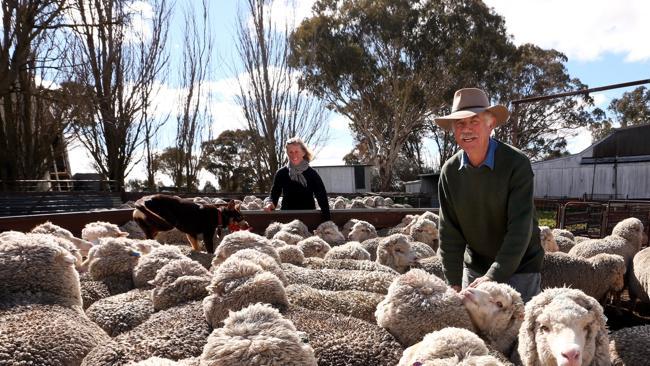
(168, 163)
(388, 65)
(233, 157)
(540, 128)
(633, 108)
(30, 115)
(119, 63)
(274, 108)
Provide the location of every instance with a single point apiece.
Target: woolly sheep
(272, 229)
(93, 231)
(347, 227)
(261, 259)
(564, 244)
(257, 335)
(318, 263)
(337, 280)
(597, 276)
(388, 202)
(149, 265)
(175, 237)
(157, 361)
(251, 206)
(122, 312)
(395, 252)
(204, 258)
(425, 231)
(314, 246)
(355, 203)
(63, 243)
(371, 246)
(379, 201)
(563, 232)
(287, 237)
(418, 303)
(290, 254)
(629, 346)
(447, 343)
(432, 265)
(239, 240)
(355, 303)
(547, 239)
(113, 262)
(134, 230)
(350, 250)
(361, 231)
(421, 250)
(639, 277)
(37, 270)
(369, 201)
(329, 232)
(297, 227)
(612, 244)
(580, 239)
(632, 230)
(91, 290)
(497, 311)
(405, 222)
(145, 246)
(339, 204)
(179, 281)
(49, 228)
(563, 326)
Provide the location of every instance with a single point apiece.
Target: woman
(298, 182)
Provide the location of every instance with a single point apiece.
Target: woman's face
(296, 153)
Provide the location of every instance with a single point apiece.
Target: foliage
(632, 109)
(169, 163)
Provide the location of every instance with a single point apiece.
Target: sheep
(337, 280)
(297, 227)
(257, 335)
(612, 244)
(145, 246)
(563, 232)
(179, 281)
(122, 312)
(371, 246)
(629, 346)
(112, 262)
(329, 232)
(35, 269)
(147, 267)
(563, 326)
(318, 263)
(547, 239)
(239, 240)
(134, 230)
(405, 222)
(432, 265)
(379, 201)
(157, 361)
(91, 290)
(418, 303)
(287, 237)
(314, 246)
(369, 201)
(361, 231)
(421, 250)
(639, 277)
(356, 203)
(395, 252)
(251, 206)
(355, 303)
(425, 231)
(597, 276)
(49, 228)
(580, 239)
(564, 244)
(339, 204)
(388, 202)
(449, 343)
(179, 332)
(347, 227)
(63, 243)
(261, 259)
(272, 229)
(632, 230)
(497, 311)
(350, 250)
(100, 229)
(204, 258)
(290, 254)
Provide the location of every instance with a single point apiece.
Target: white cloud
(80, 160)
(333, 151)
(582, 29)
(601, 100)
(226, 116)
(580, 141)
(339, 122)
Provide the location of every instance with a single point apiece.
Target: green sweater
(487, 217)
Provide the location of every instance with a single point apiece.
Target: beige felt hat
(469, 102)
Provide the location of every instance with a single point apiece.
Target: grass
(546, 218)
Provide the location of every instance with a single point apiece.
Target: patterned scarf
(295, 172)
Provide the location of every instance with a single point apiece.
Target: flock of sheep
(340, 296)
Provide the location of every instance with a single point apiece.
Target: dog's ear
(231, 204)
(237, 206)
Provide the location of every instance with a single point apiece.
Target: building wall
(413, 186)
(340, 179)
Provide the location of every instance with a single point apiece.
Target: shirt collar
(489, 158)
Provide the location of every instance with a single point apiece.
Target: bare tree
(30, 126)
(274, 107)
(119, 63)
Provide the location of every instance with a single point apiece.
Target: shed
(617, 166)
(345, 178)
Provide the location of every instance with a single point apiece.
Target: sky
(605, 42)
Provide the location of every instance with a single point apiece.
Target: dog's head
(232, 215)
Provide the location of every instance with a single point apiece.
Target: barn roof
(624, 142)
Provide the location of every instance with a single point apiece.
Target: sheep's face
(493, 307)
(297, 227)
(425, 231)
(339, 205)
(547, 239)
(314, 248)
(395, 252)
(631, 229)
(287, 237)
(565, 334)
(330, 233)
(362, 231)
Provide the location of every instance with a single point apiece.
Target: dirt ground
(627, 315)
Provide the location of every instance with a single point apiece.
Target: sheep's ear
(123, 234)
(66, 258)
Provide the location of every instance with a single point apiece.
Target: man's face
(472, 133)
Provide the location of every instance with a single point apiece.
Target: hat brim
(500, 112)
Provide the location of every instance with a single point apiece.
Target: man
(488, 229)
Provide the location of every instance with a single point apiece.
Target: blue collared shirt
(489, 158)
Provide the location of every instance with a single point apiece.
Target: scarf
(295, 172)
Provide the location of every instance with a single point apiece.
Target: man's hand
(480, 280)
(456, 288)
(269, 207)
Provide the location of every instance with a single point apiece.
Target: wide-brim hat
(469, 102)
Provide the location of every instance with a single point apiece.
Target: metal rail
(581, 91)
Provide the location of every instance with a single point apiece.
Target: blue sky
(605, 41)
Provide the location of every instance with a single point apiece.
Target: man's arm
(521, 209)
(452, 242)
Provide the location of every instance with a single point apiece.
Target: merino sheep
(179, 281)
(122, 312)
(329, 232)
(149, 265)
(319, 263)
(395, 252)
(612, 244)
(272, 229)
(371, 246)
(91, 290)
(418, 303)
(425, 231)
(49, 228)
(563, 326)
(563, 232)
(339, 279)
(432, 265)
(448, 343)
(175, 237)
(239, 240)
(421, 250)
(564, 244)
(360, 231)
(134, 230)
(257, 335)
(355, 303)
(287, 237)
(261, 259)
(639, 277)
(290, 254)
(297, 227)
(357, 203)
(113, 262)
(63, 243)
(93, 231)
(339, 203)
(547, 239)
(597, 276)
(349, 250)
(314, 246)
(629, 346)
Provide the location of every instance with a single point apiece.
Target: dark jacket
(297, 197)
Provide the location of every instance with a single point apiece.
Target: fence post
(562, 211)
(604, 221)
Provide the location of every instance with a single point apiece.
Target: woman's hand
(269, 207)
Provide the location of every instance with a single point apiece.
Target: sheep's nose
(572, 355)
